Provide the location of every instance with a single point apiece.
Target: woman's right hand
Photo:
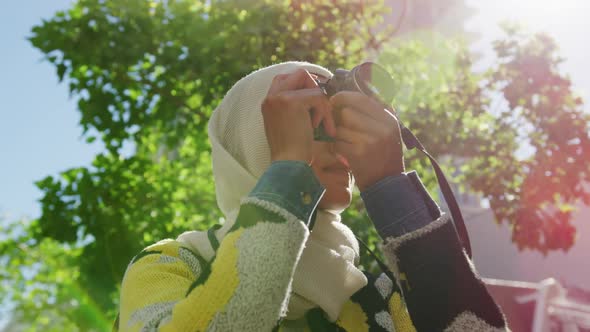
(287, 121)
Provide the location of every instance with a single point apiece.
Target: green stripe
(212, 237)
(145, 253)
(251, 214)
(206, 271)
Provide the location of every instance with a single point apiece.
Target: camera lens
(374, 80)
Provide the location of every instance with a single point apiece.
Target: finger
(276, 83)
(349, 136)
(310, 97)
(343, 148)
(328, 119)
(323, 114)
(316, 117)
(299, 79)
(320, 108)
(313, 100)
(354, 119)
(362, 103)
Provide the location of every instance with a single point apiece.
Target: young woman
(283, 260)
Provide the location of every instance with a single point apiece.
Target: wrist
(291, 157)
(399, 204)
(291, 185)
(363, 184)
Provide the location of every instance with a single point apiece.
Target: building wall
(495, 256)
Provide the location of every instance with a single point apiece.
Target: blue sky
(39, 132)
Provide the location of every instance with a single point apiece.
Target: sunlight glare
(542, 13)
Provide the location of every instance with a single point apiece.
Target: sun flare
(540, 13)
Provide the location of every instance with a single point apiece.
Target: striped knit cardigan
(168, 287)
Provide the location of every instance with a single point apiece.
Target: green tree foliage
(42, 279)
(518, 133)
(147, 74)
(536, 194)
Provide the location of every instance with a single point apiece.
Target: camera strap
(411, 142)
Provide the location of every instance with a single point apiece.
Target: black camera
(368, 78)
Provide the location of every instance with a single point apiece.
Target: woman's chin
(336, 200)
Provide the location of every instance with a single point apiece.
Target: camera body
(368, 78)
(342, 80)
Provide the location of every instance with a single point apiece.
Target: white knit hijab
(326, 275)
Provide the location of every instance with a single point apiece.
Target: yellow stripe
(148, 282)
(211, 297)
(399, 314)
(353, 318)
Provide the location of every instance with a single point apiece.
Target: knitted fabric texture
(326, 275)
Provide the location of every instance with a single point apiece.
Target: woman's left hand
(368, 136)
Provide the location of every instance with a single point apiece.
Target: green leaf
(61, 70)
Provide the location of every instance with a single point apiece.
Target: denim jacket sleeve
(293, 186)
(399, 204)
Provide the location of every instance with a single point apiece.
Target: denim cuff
(291, 185)
(399, 204)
